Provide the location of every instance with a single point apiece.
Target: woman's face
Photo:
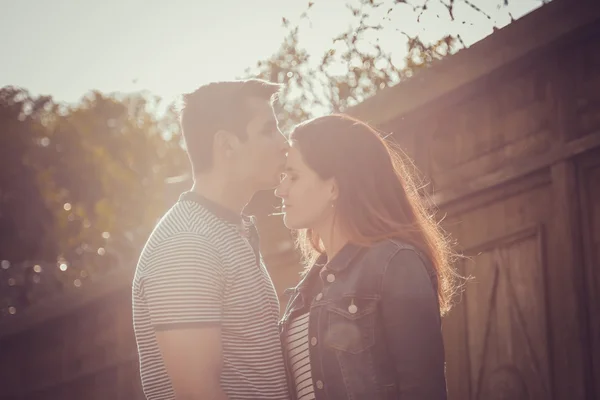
(306, 198)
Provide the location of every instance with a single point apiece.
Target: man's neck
(223, 192)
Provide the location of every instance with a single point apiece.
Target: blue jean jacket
(374, 325)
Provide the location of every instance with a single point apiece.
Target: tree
(80, 187)
(358, 64)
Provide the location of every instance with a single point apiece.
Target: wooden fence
(508, 132)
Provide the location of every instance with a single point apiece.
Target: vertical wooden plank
(69, 348)
(421, 137)
(562, 89)
(567, 64)
(11, 369)
(566, 305)
(589, 189)
(455, 331)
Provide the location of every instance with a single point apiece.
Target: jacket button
(330, 278)
(319, 384)
(319, 296)
(313, 341)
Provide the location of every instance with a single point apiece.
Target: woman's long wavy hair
(378, 198)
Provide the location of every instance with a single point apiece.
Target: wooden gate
(513, 156)
(508, 132)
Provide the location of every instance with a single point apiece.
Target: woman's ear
(335, 192)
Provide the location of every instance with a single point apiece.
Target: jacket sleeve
(412, 325)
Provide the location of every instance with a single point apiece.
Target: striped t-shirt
(297, 346)
(200, 267)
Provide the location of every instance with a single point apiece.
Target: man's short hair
(219, 106)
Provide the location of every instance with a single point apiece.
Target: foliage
(81, 187)
(358, 63)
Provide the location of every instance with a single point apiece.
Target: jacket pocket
(351, 324)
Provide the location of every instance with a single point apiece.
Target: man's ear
(225, 143)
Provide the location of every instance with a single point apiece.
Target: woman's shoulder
(390, 247)
(397, 253)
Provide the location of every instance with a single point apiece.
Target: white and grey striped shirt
(196, 268)
(297, 346)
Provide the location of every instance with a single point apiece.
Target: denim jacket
(374, 325)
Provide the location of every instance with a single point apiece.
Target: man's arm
(183, 288)
(193, 359)
(412, 326)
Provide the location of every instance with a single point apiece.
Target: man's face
(261, 157)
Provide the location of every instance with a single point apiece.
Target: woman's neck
(333, 239)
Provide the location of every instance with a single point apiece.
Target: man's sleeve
(183, 283)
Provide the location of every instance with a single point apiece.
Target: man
(204, 308)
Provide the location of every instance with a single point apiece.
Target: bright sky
(67, 47)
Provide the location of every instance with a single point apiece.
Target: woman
(364, 322)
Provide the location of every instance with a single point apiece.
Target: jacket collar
(343, 258)
(338, 263)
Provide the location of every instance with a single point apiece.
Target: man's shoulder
(181, 231)
(185, 217)
(181, 216)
